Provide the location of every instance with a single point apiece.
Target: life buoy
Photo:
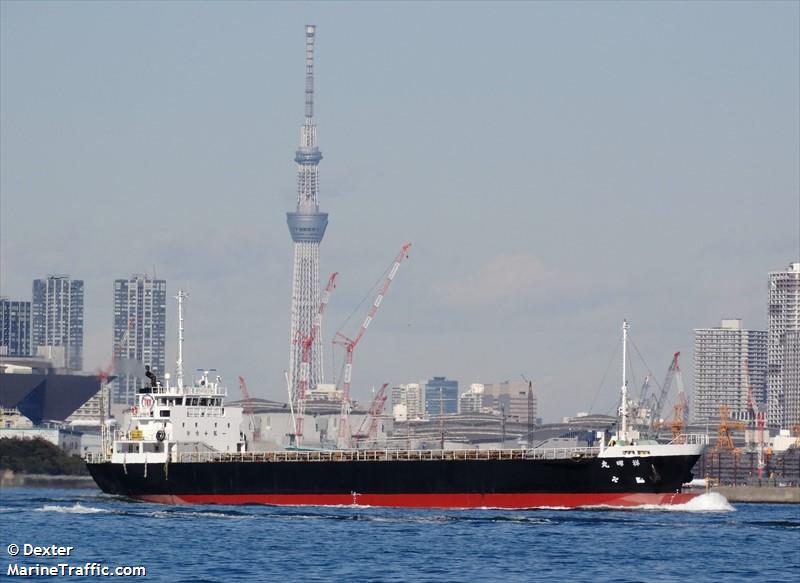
(161, 435)
(134, 410)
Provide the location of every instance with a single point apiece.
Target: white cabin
(167, 421)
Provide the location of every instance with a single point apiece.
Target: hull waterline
(519, 483)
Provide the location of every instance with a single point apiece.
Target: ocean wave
(790, 524)
(77, 508)
(522, 520)
(523, 508)
(194, 514)
(708, 502)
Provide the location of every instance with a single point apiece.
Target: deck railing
(96, 457)
(390, 455)
(375, 455)
(396, 454)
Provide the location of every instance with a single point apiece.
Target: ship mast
(179, 365)
(624, 408)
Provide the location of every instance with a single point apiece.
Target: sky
(557, 167)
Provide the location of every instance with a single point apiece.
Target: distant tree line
(37, 456)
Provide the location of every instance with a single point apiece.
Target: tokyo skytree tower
(307, 227)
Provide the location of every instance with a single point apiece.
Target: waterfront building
(783, 347)
(140, 329)
(15, 327)
(57, 321)
(441, 396)
(40, 392)
(723, 357)
(68, 440)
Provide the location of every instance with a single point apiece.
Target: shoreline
(760, 494)
(9, 479)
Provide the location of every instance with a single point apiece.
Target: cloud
(507, 277)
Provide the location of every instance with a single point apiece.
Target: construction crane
(305, 360)
(658, 404)
(643, 396)
(639, 409)
(255, 423)
(368, 431)
(725, 430)
(680, 415)
(351, 344)
(759, 418)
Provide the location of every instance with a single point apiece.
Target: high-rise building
(783, 347)
(307, 227)
(140, 330)
(441, 396)
(723, 357)
(57, 321)
(511, 399)
(472, 400)
(409, 399)
(791, 380)
(15, 327)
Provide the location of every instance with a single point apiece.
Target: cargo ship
(184, 446)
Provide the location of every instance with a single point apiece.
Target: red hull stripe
(527, 500)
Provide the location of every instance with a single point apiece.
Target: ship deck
(375, 455)
(683, 441)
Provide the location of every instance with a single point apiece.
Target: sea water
(707, 539)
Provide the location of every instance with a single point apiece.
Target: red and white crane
(351, 344)
(368, 431)
(305, 360)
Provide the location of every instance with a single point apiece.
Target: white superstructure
(169, 420)
(627, 442)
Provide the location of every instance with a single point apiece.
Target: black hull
(441, 483)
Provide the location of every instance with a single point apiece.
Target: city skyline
(545, 203)
(729, 355)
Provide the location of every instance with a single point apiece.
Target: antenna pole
(179, 368)
(624, 410)
(310, 34)
(441, 416)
